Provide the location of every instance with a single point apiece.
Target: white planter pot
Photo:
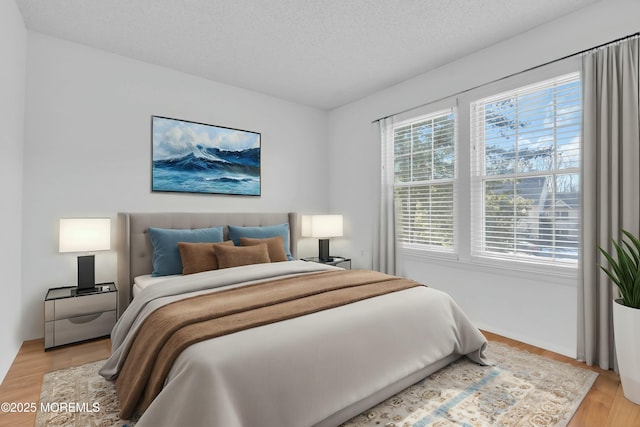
(626, 327)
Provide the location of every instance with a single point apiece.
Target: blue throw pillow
(166, 256)
(236, 232)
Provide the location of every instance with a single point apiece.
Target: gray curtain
(611, 186)
(384, 250)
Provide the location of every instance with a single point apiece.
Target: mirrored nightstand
(335, 260)
(71, 316)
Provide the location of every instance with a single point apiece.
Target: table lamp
(85, 235)
(323, 227)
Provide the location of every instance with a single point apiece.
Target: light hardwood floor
(604, 405)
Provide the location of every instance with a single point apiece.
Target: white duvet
(316, 370)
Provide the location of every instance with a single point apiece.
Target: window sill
(564, 275)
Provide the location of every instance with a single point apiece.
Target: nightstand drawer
(81, 328)
(88, 304)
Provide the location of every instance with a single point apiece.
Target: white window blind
(526, 147)
(424, 181)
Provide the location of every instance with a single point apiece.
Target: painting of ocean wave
(199, 158)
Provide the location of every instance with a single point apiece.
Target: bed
(337, 343)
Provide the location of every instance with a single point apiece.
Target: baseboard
(565, 351)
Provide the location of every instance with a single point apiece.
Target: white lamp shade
(85, 234)
(322, 226)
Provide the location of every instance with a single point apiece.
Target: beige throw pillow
(198, 257)
(275, 247)
(235, 256)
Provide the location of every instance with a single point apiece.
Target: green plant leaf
(615, 274)
(624, 271)
(633, 253)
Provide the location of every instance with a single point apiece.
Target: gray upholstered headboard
(134, 245)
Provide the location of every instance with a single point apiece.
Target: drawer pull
(84, 319)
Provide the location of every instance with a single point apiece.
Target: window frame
(420, 249)
(481, 177)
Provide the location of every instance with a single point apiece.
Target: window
(424, 181)
(526, 172)
(491, 175)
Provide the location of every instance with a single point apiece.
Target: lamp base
(323, 250)
(86, 273)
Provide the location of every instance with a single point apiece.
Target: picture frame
(193, 157)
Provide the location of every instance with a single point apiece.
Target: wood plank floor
(604, 405)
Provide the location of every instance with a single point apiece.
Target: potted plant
(625, 273)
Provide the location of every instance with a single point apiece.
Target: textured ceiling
(322, 53)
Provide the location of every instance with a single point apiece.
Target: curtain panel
(384, 258)
(611, 185)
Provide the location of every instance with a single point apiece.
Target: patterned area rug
(521, 389)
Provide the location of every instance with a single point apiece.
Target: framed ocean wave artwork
(193, 157)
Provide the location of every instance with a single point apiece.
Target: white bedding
(315, 370)
(146, 280)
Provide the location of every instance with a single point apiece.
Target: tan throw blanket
(175, 326)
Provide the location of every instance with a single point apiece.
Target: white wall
(88, 147)
(540, 310)
(13, 51)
